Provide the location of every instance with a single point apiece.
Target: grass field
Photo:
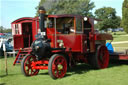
(115, 74)
(120, 47)
(120, 36)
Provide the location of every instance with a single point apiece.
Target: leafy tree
(81, 7)
(108, 17)
(125, 16)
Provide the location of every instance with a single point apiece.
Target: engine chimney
(41, 18)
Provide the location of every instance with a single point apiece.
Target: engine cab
(67, 31)
(71, 33)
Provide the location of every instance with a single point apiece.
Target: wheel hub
(60, 67)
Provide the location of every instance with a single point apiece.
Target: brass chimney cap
(42, 10)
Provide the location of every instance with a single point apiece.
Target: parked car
(8, 45)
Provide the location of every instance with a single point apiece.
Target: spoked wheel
(57, 66)
(102, 56)
(26, 67)
(100, 59)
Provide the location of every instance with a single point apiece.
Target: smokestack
(41, 18)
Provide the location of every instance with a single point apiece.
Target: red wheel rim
(103, 57)
(59, 67)
(27, 66)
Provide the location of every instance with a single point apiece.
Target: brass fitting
(42, 11)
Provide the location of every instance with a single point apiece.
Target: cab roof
(22, 19)
(71, 15)
(63, 15)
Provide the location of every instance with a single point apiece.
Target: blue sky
(11, 10)
(117, 4)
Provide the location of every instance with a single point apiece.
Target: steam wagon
(63, 41)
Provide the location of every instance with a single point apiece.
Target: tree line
(84, 8)
(5, 30)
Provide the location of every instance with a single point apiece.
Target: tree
(83, 7)
(124, 22)
(108, 17)
(1, 29)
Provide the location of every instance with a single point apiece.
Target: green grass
(81, 74)
(120, 36)
(120, 47)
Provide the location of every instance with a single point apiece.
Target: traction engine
(63, 41)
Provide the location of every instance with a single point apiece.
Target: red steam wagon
(61, 42)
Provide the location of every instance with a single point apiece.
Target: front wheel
(26, 67)
(57, 66)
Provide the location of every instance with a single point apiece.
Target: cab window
(65, 25)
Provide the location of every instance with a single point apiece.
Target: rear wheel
(57, 66)
(100, 59)
(26, 67)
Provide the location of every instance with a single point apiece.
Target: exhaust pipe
(42, 19)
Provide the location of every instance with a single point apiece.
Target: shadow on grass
(3, 84)
(84, 68)
(46, 73)
(2, 76)
(79, 69)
